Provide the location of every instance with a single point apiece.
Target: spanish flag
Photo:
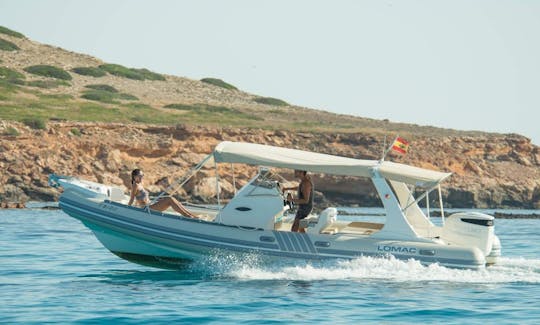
(400, 145)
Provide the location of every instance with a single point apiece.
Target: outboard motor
(470, 229)
(495, 253)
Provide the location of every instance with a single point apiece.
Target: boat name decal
(109, 207)
(396, 249)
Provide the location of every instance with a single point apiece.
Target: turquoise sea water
(52, 269)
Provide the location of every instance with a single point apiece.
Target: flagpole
(383, 148)
(389, 147)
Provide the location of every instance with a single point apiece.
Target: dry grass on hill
(47, 82)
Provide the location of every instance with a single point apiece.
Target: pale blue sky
(470, 65)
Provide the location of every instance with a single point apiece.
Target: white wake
(508, 270)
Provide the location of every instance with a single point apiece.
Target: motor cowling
(470, 229)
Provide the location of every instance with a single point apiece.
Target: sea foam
(508, 270)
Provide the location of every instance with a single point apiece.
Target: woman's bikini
(142, 196)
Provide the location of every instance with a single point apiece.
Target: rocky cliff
(489, 171)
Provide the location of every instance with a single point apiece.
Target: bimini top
(263, 155)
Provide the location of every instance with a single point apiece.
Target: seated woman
(139, 194)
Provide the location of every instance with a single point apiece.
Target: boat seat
(115, 193)
(363, 228)
(323, 225)
(310, 221)
(368, 225)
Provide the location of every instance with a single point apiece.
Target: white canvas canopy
(264, 155)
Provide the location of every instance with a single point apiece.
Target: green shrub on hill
(10, 77)
(139, 106)
(202, 112)
(121, 71)
(76, 132)
(89, 71)
(9, 74)
(201, 108)
(189, 107)
(35, 123)
(130, 73)
(7, 45)
(19, 82)
(103, 87)
(99, 96)
(149, 75)
(104, 96)
(7, 31)
(125, 96)
(218, 83)
(8, 86)
(48, 71)
(59, 99)
(271, 101)
(11, 131)
(47, 84)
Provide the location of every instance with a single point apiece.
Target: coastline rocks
(496, 171)
(204, 189)
(13, 193)
(12, 205)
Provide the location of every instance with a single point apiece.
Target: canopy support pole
(233, 178)
(410, 197)
(173, 188)
(427, 205)
(428, 214)
(419, 198)
(441, 205)
(217, 183)
(383, 149)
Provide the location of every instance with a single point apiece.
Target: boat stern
(473, 229)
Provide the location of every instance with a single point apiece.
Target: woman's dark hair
(134, 173)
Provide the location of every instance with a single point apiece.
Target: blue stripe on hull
(423, 259)
(105, 214)
(132, 229)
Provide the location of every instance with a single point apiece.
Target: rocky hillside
(489, 171)
(68, 113)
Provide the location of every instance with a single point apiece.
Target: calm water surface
(52, 269)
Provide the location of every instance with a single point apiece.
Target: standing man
(304, 198)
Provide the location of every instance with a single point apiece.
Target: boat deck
(357, 228)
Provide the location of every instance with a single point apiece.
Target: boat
(256, 220)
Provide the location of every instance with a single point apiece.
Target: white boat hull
(160, 239)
